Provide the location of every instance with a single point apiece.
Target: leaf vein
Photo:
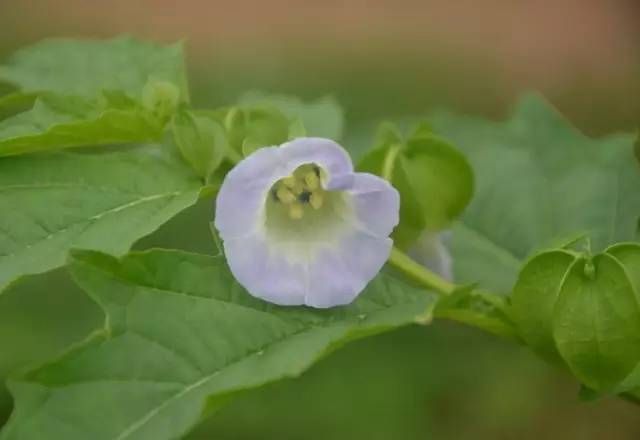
(91, 220)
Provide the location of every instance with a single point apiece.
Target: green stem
(419, 273)
(389, 162)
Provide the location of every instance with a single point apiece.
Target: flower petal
(265, 272)
(243, 193)
(330, 156)
(338, 274)
(376, 202)
(330, 276)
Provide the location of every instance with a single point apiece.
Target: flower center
(300, 192)
(299, 208)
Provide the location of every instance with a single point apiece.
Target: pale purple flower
(299, 226)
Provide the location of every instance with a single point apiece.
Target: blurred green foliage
(443, 381)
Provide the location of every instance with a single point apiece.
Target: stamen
(285, 195)
(312, 181)
(298, 188)
(316, 200)
(296, 211)
(289, 181)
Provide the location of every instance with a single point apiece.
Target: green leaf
(57, 122)
(435, 180)
(15, 103)
(201, 141)
(104, 201)
(537, 179)
(534, 298)
(181, 338)
(92, 93)
(321, 118)
(88, 67)
(596, 322)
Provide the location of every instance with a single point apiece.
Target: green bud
(161, 98)
(201, 141)
(434, 179)
(250, 128)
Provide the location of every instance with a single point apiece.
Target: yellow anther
(298, 188)
(312, 181)
(289, 181)
(285, 195)
(316, 199)
(294, 184)
(296, 211)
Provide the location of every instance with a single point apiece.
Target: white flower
(299, 226)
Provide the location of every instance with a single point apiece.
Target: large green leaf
(181, 338)
(88, 67)
(15, 103)
(104, 201)
(537, 179)
(92, 93)
(57, 122)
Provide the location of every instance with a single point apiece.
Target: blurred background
(380, 59)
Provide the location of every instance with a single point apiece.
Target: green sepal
(583, 311)
(534, 297)
(596, 322)
(201, 140)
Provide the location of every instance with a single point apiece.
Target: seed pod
(585, 313)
